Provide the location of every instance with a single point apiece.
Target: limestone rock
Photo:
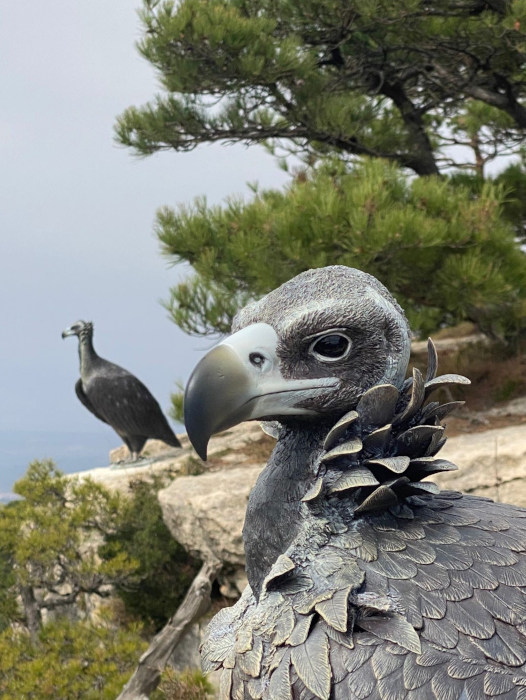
(448, 345)
(152, 449)
(239, 446)
(167, 463)
(204, 504)
(516, 407)
(205, 513)
(491, 463)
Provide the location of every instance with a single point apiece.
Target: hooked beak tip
(225, 389)
(212, 396)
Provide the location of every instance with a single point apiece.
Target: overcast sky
(76, 210)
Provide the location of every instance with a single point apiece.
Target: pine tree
(445, 254)
(48, 542)
(359, 77)
(68, 538)
(70, 660)
(364, 92)
(165, 570)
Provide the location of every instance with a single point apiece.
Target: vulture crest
(116, 397)
(365, 582)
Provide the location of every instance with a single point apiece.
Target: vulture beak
(240, 380)
(67, 332)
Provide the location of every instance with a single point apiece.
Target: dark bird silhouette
(117, 397)
(365, 582)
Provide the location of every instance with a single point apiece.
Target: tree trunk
(422, 158)
(147, 675)
(31, 611)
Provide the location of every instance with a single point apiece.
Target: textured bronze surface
(388, 589)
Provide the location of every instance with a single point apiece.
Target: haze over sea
(70, 451)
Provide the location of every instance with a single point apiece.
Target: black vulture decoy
(365, 582)
(116, 397)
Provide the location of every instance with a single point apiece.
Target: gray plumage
(117, 397)
(365, 582)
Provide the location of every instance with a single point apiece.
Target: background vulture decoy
(117, 397)
(365, 582)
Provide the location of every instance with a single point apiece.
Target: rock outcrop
(491, 463)
(205, 513)
(204, 504)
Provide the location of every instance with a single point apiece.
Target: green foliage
(176, 410)
(423, 87)
(196, 298)
(8, 604)
(65, 538)
(194, 466)
(68, 537)
(47, 542)
(187, 685)
(164, 571)
(444, 252)
(486, 130)
(512, 183)
(69, 660)
(355, 77)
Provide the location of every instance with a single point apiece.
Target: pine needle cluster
(447, 254)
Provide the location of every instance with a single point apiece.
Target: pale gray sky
(76, 210)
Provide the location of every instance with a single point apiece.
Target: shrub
(165, 570)
(69, 660)
(190, 684)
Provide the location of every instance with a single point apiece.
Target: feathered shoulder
(362, 592)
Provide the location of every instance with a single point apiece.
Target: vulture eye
(256, 359)
(331, 347)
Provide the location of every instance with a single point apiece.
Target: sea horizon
(71, 451)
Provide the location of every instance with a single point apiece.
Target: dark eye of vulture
(117, 397)
(331, 346)
(309, 348)
(364, 580)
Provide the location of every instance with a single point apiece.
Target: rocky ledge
(204, 503)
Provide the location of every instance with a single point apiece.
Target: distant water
(70, 452)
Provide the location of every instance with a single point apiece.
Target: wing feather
(437, 612)
(311, 661)
(124, 402)
(279, 686)
(81, 395)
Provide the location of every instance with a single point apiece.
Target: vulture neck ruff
(371, 460)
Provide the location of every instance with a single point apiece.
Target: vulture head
(79, 328)
(310, 348)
